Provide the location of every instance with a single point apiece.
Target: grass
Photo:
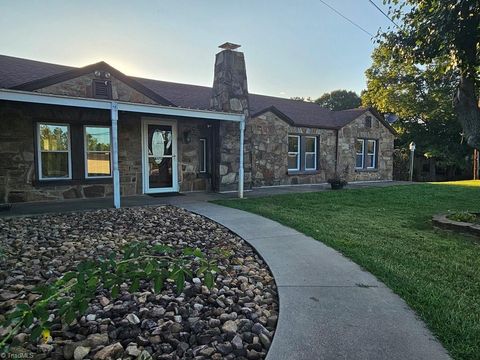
(388, 232)
(475, 183)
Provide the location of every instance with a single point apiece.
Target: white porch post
(240, 169)
(116, 173)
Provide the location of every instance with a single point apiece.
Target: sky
(292, 47)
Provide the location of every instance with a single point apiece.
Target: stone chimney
(230, 91)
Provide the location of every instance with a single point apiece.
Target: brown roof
(24, 74)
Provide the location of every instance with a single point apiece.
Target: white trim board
(49, 99)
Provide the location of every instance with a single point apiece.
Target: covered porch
(156, 139)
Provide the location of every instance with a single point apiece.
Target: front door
(159, 140)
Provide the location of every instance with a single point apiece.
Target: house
(93, 131)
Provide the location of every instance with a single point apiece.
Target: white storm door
(159, 143)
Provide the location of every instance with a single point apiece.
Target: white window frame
(297, 153)
(86, 151)
(39, 152)
(203, 149)
(310, 153)
(374, 162)
(362, 153)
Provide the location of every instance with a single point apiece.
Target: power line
(346, 18)
(384, 14)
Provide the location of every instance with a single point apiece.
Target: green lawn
(388, 232)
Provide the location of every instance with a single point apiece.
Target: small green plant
(464, 216)
(71, 294)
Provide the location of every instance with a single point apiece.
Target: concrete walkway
(329, 307)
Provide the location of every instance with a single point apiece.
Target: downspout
(116, 173)
(240, 169)
(336, 151)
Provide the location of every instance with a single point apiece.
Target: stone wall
(266, 148)
(229, 153)
(347, 139)
(268, 135)
(18, 181)
(82, 87)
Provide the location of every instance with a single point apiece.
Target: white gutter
(49, 99)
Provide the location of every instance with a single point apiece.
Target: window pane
(310, 162)
(371, 161)
(54, 164)
(293, 144)
(53, 137)
(310, 144)
(371, 146)
(98, 138)
(359, 147)
(98, 163)
(292, 161)
(359, 161)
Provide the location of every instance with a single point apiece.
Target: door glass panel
(160, 156)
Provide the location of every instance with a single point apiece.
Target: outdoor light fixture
(187, 136)
(411, 146)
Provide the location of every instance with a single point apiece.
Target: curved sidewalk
(329, 307)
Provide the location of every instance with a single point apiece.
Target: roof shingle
(17, 71)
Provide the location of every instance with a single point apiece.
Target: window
(98, 152)
(359, 150)
(293, 152)
(310, 153)
(203, 155)
(366, 154)
(371, 154)
(54, 151)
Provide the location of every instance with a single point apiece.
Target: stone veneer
(82, 87)
(346, 145)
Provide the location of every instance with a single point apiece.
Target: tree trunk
(468, 112)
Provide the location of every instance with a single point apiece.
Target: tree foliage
(447, 32)
(339, 100)
(421, 97)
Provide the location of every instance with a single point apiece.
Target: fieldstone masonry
(347, 139)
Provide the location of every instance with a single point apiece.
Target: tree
(301, 98)
(421, 97)
(339, 100)
(449, 31)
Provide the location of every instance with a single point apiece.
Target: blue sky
(292, 47)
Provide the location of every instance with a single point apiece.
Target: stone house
(93, 131)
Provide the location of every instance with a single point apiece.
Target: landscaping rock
(234, 320)
(109, 352)
(80, 352)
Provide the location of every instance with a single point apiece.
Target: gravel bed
(234, 320)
